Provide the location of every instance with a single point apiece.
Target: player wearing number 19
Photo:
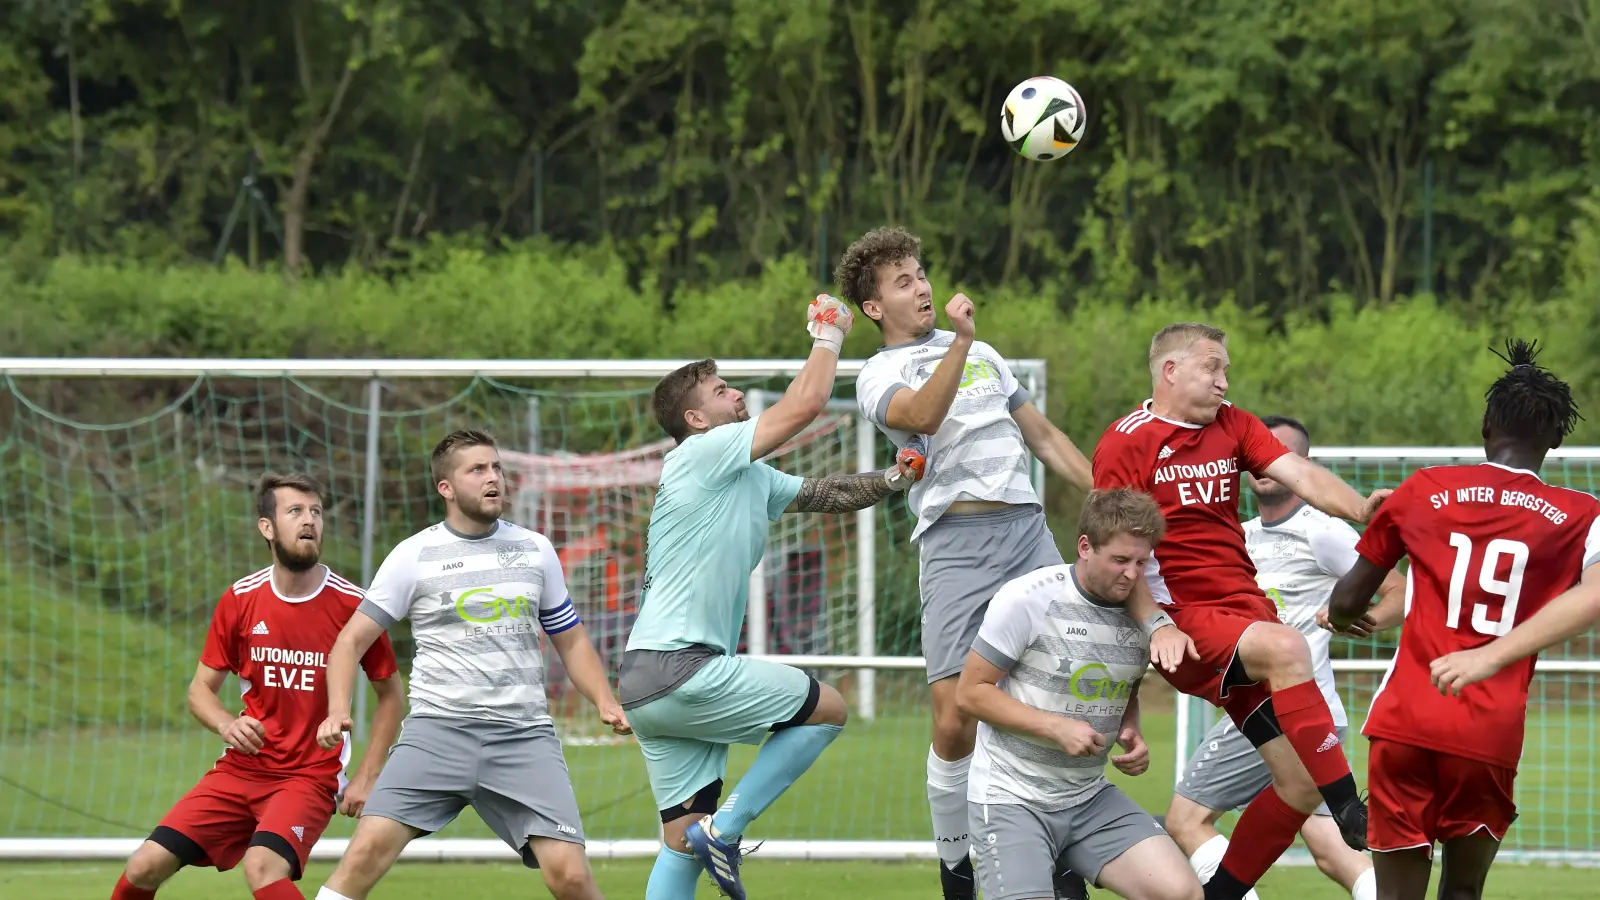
(1490, 545)
(271, 795)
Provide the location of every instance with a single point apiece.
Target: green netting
(125, 510)
(1556, 788)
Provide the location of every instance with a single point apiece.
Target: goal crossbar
(110, 367)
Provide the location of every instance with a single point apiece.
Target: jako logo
(495, 608)
(1094, 682)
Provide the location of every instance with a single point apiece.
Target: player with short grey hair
(1299, 553)
(1053, 679)
(478, 591)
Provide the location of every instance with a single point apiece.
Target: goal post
(124, 511)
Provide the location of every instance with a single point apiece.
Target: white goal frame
(1030, 372)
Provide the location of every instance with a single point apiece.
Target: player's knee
(150, 866)
(262, 866)
(1279, 651)
(831, 709)
(1186, 822)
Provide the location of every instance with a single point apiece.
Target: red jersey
(279, 646)
(1192, 471)
(1489, 547)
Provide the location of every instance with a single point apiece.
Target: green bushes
(1409, 372)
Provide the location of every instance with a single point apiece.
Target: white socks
(1366, 887)
(327, 893)
(947, 801)
(1208, 857)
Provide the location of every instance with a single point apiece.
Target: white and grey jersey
(1298, 560)
(1067, 654)
(473, 602)
(978, 453)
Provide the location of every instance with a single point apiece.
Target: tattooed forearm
(841, 493)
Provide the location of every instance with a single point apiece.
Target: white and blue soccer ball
(1043, 118)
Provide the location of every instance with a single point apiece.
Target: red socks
(126, 891)
(1265, 830)
(282, 889)
(1306, 721)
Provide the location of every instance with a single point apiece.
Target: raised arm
(922, 410)
(828, 320)
(1053, 447)
(1323, 489)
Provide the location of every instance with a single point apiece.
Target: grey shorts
(1226, 772)
(964, 562)
(1020, 848)
(515, 776)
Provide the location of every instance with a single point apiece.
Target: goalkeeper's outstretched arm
(848, 493)
(828, 321)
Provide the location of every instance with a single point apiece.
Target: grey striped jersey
(978, 453)
(1069, 655)
(476, 606)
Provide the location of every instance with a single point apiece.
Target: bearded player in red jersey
(1491, 545)
(1186, 447)
(274, 790)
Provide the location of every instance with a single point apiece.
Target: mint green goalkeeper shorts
(685, 734)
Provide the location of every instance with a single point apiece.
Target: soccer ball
(1043, 118)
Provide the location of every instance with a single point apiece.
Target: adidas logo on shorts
(299, 833)
(1165, 452)
(261, 627)
(1328, 743)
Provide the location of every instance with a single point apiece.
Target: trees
(1266, 152)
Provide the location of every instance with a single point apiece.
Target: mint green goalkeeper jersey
(707, 534)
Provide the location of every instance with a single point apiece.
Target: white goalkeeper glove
(828, 320)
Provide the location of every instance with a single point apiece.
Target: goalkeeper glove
(910, 463)
(828, 320)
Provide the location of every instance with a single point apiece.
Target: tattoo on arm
(840, 493)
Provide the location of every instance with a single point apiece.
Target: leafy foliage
(1274, 154)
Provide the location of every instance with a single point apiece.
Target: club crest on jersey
(512, 557)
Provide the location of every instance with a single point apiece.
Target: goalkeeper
(687, 695)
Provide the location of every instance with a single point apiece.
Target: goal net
(125, 510)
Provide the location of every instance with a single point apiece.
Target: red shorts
(227, 813)
(1216, 626)
(1416, 796)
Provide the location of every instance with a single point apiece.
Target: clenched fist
(959, 309)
